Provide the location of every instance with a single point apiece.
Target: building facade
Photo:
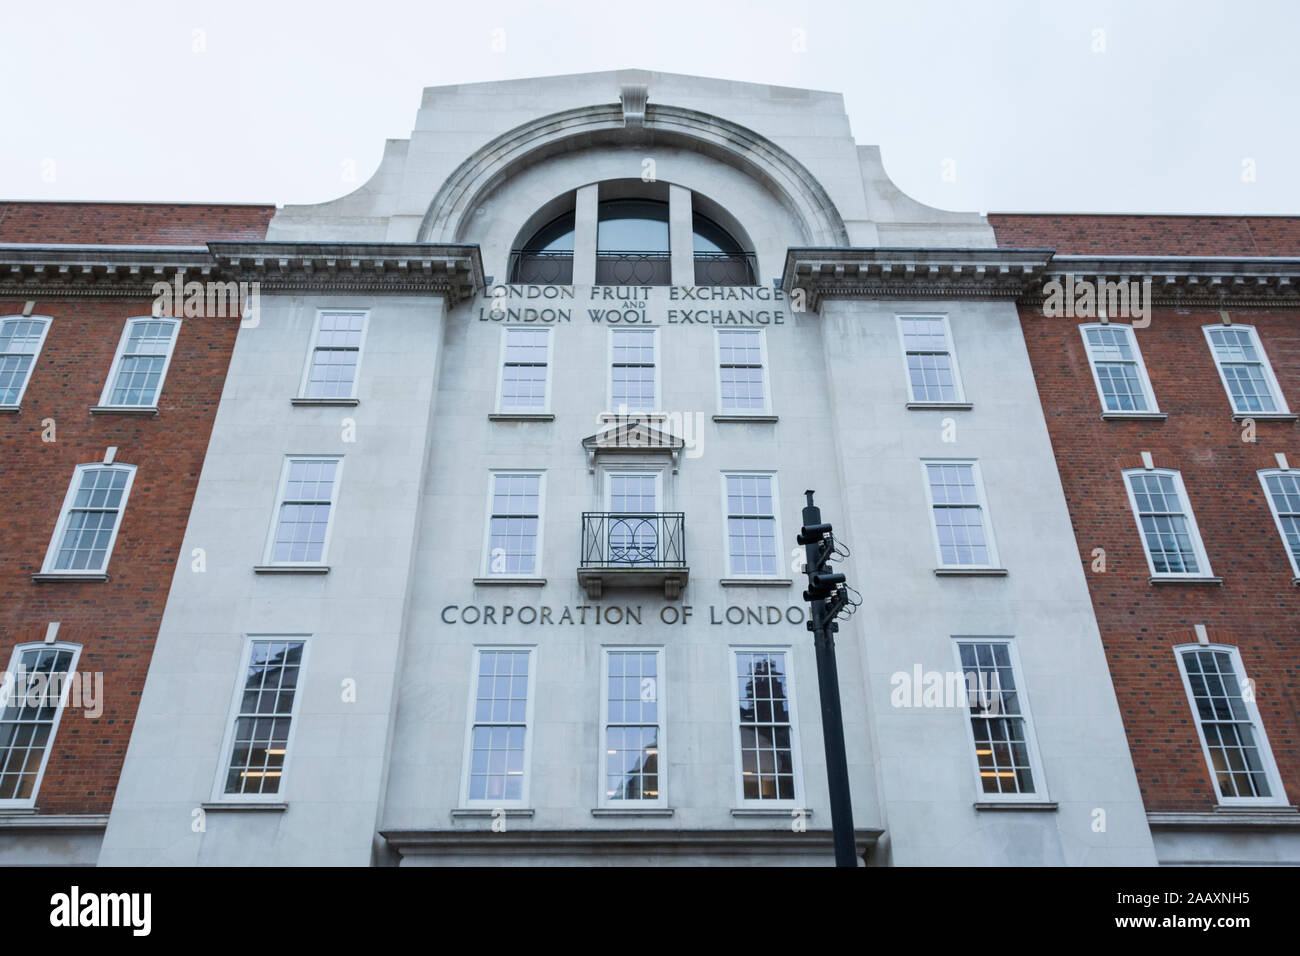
(104, 418)
(500, 501)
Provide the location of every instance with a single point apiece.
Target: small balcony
(629, 267)
(633, 551)
(725, 268)
(541, 268)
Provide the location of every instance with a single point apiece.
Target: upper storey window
(719, 258)
(546, 258)
(632, 245)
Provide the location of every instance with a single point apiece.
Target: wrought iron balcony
(725, 268)
(645, 550)
(629, 267)
(541, 268)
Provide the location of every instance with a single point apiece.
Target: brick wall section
(117, 621)
(1258, 607)
(145, 224)
(1150, 235)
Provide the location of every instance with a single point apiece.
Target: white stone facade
(377, 757)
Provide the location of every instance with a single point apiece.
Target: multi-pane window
(1244, 368)
(263, 717)
(633, 372)
(1236, 748)
(498, 736)
(742, 387)
(765, 726)
(633, 726)
(335, 355)
(1283, 491)
(525, 370)
(308, 489)
(1117, 368)
(32, 697)
(633, 528)
(88, 525)
(141, 363)
(1165, 521)
(961, 527)
(514, 523)
(931, 367)
(1005, 756)
(20, 344)
(750, 503)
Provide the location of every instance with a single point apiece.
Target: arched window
(547, 257)
(719, 258)
(632, 246)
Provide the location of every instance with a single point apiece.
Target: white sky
(110, 100)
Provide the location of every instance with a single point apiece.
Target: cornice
(47, 271)
(897, 273)
(1022, 274)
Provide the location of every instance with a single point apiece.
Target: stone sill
(621, 812)
(1134, 416)
(631, 417)
(755, 582)
(10, 409)
(124, 409)
(748, 419)
(291, 569)
(1265, 416)
(237, 806)
(324, 401)
(786, 812)
(971, 572)
(521, 417)
(1040, 806)
(504, 582)
(1156, 579)
(475, 812)
(942, 406)
(1223, 817)
(31, 820)
(49, 577)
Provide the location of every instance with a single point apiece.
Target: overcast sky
(1137, 106)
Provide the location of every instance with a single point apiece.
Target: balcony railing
(725, 268)
(629, 267)
(633, 550)
(541, 268)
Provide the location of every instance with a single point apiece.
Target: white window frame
(529, 727)
(960, 399)
(268, 552)
(1277, 516)
(796, 755)
(315, 344)
(502, 409)
(1198, 544)
(485, 568)
(120, 354)
(661, 762)
(1279, 797)
(65, 512)
(986, 517)
(45, 321)
(1041, 793)
(8, 683)
(1269, 378)
(219, 794)
(776, 518)
(766, 410)
(609, 365)
(1144, 380)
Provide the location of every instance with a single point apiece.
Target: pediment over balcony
(637, 437)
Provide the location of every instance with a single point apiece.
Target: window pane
(1235, 756)
(997, 725)
(260, 740)
(36, 691)
(766, 747)
(497, 736)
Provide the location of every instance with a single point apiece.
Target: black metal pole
(828, 686)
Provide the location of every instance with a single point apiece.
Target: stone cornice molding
(588, 126)
(845, 273)
(47, 271)
(1022, 275)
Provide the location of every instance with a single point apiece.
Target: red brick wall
(116, 622)
(1257, 609)
(1150, 235)
(156, 224)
